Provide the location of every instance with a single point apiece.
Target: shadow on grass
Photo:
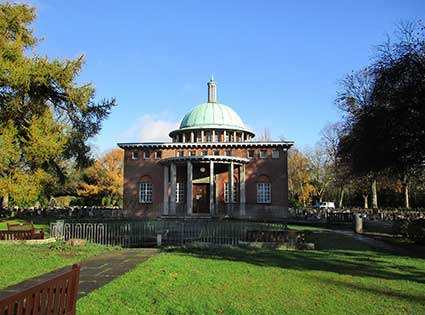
(379, 292)
(336, 253)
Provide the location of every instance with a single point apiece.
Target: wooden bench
(57, 295)
(21, 231)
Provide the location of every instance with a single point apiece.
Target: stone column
(189, 188)
(192, 137)
(184, 137)
(231, 184)
(213, 136)
(243, 137)
(234, 136)
(202, 136)
(212, 187)
(242, 197)
(165, 205)
(173, 188)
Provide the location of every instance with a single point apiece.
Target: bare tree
(264, 136)
(320, 169)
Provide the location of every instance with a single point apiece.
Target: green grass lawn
(305, 228)
(343, 276)
(19, 262)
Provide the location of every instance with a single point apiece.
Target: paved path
(102, 269)
(96, 271)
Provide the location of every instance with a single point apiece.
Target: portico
(200, 183)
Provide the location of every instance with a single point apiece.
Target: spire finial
(212, 78)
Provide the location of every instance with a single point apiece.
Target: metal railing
(146, 233)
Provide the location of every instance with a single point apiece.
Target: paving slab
(102, 269)
(96, 271)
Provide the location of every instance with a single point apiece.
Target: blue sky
(277, 63)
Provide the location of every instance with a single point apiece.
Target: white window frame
(216, 151)
(228, 152)
(275, 154)
(226, 192)
(158, 155)
(192, 153)
(253, 154)
(217, 136)
(145, 192)
(146, 155)
(180, 192)
(180, 153)
(204, 152)
(264, 192)
(134, 155)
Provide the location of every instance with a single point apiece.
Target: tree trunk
(406, 195)
(5, 201)
(365, 201)
(341, 198)
(374, 195)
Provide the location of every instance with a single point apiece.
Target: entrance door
(201, 198)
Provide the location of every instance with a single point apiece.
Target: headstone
(358, 223)
(159, 240)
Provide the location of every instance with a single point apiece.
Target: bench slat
(53, 296)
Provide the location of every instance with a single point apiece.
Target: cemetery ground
(342, 276)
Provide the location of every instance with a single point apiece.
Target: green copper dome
(212, 115)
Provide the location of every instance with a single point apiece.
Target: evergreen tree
(46, 118)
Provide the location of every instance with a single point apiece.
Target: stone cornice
(194, 145)
(206, 158)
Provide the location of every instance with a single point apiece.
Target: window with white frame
(275, 154)
(145, 195)
(180, 192)
(235, 192)
(263, 154)
(192, 153)
(228, 152)
(180, 153)
(251, 154)
(226, 137)
(217, 136)
(198, 137)
(216, 152)
(264, 192)
(134, 155)
(157, 154)
(146, 155)
(204, 152)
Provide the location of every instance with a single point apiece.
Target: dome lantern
(211, 118)
(212, 90)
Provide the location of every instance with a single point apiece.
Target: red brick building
(212, 167)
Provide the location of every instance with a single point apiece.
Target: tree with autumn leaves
(102, 183)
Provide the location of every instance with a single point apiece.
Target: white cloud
(149, 128)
